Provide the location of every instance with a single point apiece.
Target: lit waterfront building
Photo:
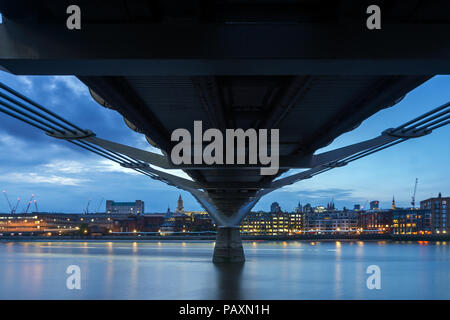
(411, 221)
(138, 223)
(53, 224)
(258, 223)
(335, 221)
(127, 208)
(396, 221)
(440, 213)
(196, 213)
(379, 221)
(20, 223)
(268, 223)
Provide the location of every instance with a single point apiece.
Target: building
(307, 208)
(151, 222)
(374, 205)
(54, 224)
(275, 207)
(179, 221)
(378, 221)
(127, 208)
(331, 206)
(14, 224)
(295, 222)
(167, 226)
(139, 223)
(396, 221)
(201, 213)
(330, 222)
(411, 221)
(357, 207)
(202, 222)
(279, 223)
(257, 223)
(440, 213)
(268, 223)
(180, 207)
(176, 221)
(319, 209)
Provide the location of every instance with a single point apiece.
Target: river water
(183, 270)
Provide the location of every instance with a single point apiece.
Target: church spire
(180, 207)
(393, 203)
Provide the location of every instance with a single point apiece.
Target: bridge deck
(309, 111)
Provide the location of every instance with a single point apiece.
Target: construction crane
(16, 206)
(7, 199)
(101, 201)
(29, 204)
(35, 205)
(413, 201)
(87, 207)
(11, 208)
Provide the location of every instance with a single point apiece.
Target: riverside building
(440, 213)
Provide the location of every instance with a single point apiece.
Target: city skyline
(72, 177)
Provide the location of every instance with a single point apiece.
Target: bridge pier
(228, 246)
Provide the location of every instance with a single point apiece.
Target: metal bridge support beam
(228, 246)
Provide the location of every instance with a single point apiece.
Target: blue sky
(64, 178)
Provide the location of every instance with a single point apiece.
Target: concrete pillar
(228, 245)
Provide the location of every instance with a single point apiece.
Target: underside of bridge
(308, 68)
(309, 111)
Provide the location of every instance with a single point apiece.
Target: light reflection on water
(183, 270)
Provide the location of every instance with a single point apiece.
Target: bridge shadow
(229, 280)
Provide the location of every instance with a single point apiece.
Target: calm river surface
(183, 270)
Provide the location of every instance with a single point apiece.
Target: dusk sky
(63, 177)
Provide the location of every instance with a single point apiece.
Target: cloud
(34, 149)
(336, 193)
(66, 166)
(10, 141)
(32, 177)
(84, 167)
(27, 82)
(73, 84)
(110, 166)
(63, 172)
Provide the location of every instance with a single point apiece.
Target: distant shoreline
(381, 237)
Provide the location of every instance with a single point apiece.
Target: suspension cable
(22, 97)
(16, 110)
(35, 112)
